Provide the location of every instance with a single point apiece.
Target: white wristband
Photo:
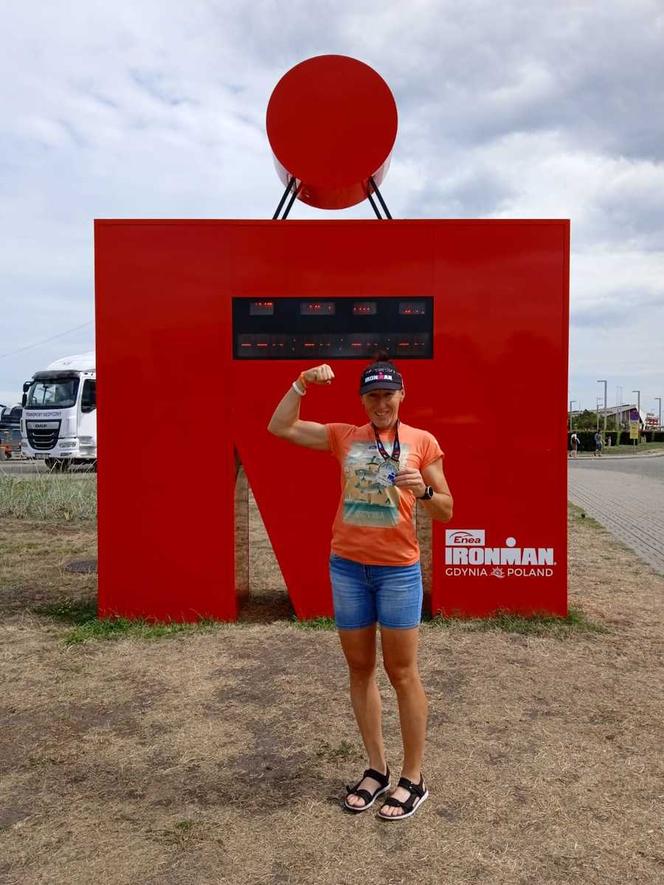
(297, 389)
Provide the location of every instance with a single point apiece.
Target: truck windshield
(57, 393)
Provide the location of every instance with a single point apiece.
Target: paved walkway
(627, 498)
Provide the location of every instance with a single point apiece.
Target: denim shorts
(364, 594)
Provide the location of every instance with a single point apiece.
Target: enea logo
(465, 537)
(466, 555)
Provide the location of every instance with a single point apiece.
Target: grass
(542, 624)
(630, 449)
(626, 449)
(578, 514)
(182, 833)
(58, 497)
(81, 615)
(536, 625)
(72, 611)
(49, 497)
(323, 623)
(343, 750)
(86, 626)
(543, 756)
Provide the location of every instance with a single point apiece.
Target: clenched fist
(319, 375)
(411, 479)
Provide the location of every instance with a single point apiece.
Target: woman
(575, 444)
(374, 564)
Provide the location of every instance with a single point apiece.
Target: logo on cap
(381, 376)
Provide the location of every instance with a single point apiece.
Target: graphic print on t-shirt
(366, 501)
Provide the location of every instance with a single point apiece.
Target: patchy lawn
(220, 754)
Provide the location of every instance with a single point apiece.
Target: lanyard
(396, 447)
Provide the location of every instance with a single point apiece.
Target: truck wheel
(50, 463)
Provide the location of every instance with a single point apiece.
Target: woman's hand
(318, 375)
(410, 479)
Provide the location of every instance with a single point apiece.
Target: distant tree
(587, 420)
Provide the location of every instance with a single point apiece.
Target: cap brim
(380, 385)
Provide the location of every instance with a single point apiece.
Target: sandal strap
(377, 775)
(363, 794)
(412, 787)
(407, 804)
(383, 780)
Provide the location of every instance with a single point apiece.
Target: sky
(506, 110)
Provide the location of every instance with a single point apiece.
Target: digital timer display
(261, 309)
(353, 327)
(317, 308)
(364, 308)
(412, 308)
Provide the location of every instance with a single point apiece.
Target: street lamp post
(638, 409)
(603, 381)
(598, 401)
(571, 424)
(659, 421)
(619, 404)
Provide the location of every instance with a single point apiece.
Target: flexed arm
(286, 422)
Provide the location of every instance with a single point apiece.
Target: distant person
(575, 443)
(386, 466)
(598, 445)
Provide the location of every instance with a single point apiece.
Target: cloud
(620, 310)
(506, 110)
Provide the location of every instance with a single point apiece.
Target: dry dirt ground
(221, 756)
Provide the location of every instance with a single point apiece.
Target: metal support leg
(291, 182)
(296, 191)
(380, 197)
(373, 206)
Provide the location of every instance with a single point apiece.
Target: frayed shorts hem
(359, 627)
(374, 623)
(401, 626)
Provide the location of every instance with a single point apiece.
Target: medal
(388, 470)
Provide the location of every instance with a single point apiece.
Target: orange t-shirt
(374, 522)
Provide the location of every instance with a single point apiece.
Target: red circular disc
(332, 123)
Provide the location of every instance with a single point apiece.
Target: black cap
(380, 376)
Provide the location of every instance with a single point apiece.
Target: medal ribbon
(396, 447)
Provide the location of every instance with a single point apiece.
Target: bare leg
(359, 647)
(400, 659)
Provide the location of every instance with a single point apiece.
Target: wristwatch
(428, 494)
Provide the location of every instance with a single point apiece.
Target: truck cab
(59, 421)
(10, 431)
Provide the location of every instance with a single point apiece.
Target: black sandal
(418, 794)
(369, 798)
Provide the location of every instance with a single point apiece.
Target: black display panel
(332, 328)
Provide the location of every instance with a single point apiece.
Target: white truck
(59, 421)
